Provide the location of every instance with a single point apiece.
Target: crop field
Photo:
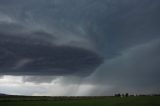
(80, 101)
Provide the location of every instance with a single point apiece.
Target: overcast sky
(79, 47)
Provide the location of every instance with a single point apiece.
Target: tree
(126, 95)
(118, 95)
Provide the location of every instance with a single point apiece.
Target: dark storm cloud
(126, 23)
(125, 32)
(26, 55)
(29, 47)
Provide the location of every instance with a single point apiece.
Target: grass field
(81, 101)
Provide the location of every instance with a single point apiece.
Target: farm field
(81, 101)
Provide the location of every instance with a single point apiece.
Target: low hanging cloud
(37, 54)
(29, 48)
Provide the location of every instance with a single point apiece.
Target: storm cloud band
(27, 56)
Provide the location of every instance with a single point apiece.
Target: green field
(81, 101)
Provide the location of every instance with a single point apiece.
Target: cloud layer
(35, 49)
(35, 55)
